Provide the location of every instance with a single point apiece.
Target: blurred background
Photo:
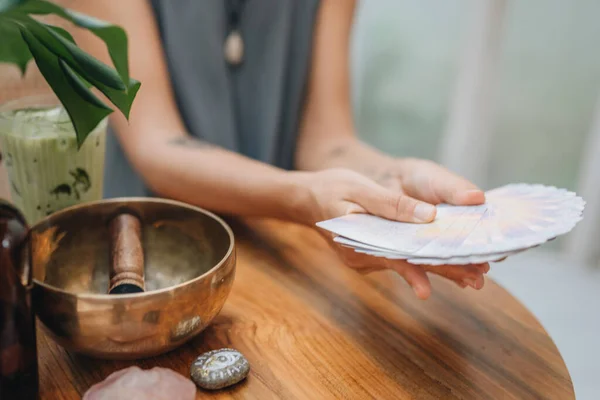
(501, 91)
(407, 57)
(414, 62)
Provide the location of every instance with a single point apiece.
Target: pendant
(234, 48)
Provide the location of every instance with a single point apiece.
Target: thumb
(385, 203)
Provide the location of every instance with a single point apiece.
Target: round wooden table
(313, 329)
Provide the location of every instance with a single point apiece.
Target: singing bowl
(189, 270)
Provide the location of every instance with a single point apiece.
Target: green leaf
(80, 87)
(85, 110)
(82, 62)
(113, 36)
(105, 79)
(92, 70)
(92, 66)
(68, 36)
(60, 31)
(13, 49)
(6, 5)
(123, 100)
(69, 70)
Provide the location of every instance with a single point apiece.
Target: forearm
(326, 136)
(171, 163)
(197, 173)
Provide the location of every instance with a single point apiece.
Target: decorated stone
(217, 369)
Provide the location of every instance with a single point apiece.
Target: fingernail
(485, 268)
(419, 291)
(479, 282)
(424, 212)
(473, 196)
(470, 282)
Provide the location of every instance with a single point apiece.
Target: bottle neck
(14, 263)
(18, 352)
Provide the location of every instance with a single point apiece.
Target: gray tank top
(253, 109)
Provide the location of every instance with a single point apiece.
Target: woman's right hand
(337, 192)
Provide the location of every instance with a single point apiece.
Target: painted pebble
(219, 368)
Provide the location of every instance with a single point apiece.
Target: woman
(272, 136)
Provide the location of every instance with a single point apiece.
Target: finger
(364, 264)
(471, 275)
(461, 284)
(414, 276)
(360, 262)
(385, 203)
(348, 207)
(456, 272)
(369, 270)
(453, 189)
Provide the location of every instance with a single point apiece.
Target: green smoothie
(46, 170)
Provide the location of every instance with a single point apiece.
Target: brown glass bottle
(18, 353)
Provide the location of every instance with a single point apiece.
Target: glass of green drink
(46, 171)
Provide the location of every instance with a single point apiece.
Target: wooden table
(313, 329)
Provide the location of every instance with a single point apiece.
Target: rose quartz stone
(134, 383)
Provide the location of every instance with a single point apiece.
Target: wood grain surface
(313, 329)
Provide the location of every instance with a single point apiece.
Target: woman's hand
(337, 192)
(428, 181)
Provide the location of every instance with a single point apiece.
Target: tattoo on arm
(385, 176)
(191, 142)
(338, 151)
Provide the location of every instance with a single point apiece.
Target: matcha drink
(46, 170)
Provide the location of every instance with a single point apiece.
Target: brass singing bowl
(189, 270)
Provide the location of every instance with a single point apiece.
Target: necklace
(233, 48)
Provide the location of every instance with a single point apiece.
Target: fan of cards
(514, 218)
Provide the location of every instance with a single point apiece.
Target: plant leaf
(123, 100)
(60, 31)
(85, 111)
(113, 36)
(13, 49)
(93, 71)
(92, 66)
(98, 75)
(6, 5)
(80, 87)
(67, 36)
(104, 79)
(82, 62)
